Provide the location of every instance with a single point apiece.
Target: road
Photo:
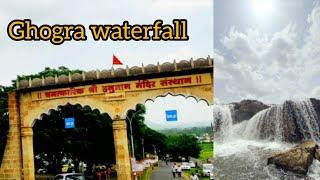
(163, 173)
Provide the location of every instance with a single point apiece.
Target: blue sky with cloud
(268, 51)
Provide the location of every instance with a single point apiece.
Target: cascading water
(291, 121)
(222, 118)
(241, 149)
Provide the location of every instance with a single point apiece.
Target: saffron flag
(116, 61)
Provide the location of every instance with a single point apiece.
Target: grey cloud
(273, 68)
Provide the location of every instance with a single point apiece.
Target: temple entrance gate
(110, 91)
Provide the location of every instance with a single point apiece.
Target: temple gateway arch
(110, 91)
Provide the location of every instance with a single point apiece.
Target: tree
(182, 145)
(90, 141)
(50, 72)
(4, 119)
(143, 136)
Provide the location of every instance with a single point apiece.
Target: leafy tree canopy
(49, 72)
(182, 145)
(4, 118)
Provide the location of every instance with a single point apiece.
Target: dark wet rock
(245, 109)
(317, 154)
(292, 121)
(297, 159)
(316, 106)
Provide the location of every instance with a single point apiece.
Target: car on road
(41, 171)
(211, 176)
(185, 166)
(67, 168)
(192, 164)
(207, 169)
(69, 176)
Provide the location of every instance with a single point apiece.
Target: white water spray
(245, 146)
(289, 122)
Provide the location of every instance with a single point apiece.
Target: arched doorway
(111, 91)
(61, 148)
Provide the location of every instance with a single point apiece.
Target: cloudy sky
(266, 49)
(22, 58)
(263, 49)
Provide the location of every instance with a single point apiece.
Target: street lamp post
(131, 135)
(155, 149)
(142, 140)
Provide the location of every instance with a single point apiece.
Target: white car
(42, 171)
(69, 176)
(192, 164)
(207, 169)
(185, 166)
(211, 176)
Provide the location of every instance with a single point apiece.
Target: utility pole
(155, 149)
(142, 141)
(131, 135)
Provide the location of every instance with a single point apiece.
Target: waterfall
(222, 118)
(291, 121)
(242, 146)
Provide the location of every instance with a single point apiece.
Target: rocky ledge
(297, 159)
(246, 109)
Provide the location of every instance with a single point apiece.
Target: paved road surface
(163, 173)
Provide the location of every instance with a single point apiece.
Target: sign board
(69, 123)
(115, 96)
(171, 115)
(122, 87)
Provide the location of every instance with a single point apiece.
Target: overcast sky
(266, 49)
(263, 49)
(22, 58)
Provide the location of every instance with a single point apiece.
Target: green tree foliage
(90, 141)
(50, 72)
(143, 136)
(182, 145)
(4, 119)
(197, 131)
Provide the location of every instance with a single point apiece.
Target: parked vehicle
(207, 169)
(69, 176)
(41, 171)
(192, 164)
(67, 168)
(211, 176)
(185, 166)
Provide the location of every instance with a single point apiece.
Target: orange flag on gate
(116, 61)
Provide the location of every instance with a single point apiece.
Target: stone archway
(111, 91)
(90, 140)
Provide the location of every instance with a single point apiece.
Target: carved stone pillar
(12, 162)
(27, 153)
(123, 164)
